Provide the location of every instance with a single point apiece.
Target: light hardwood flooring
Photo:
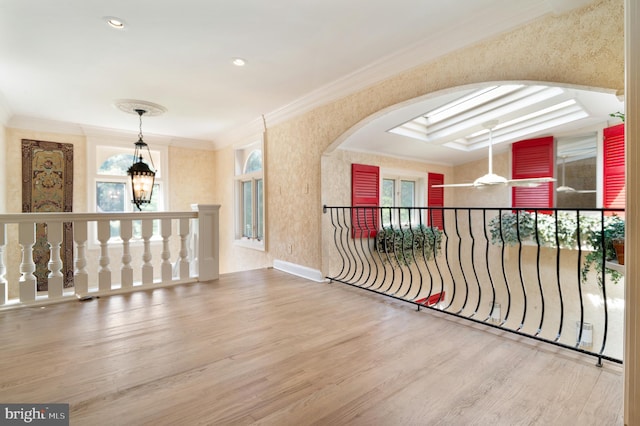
(265, 347)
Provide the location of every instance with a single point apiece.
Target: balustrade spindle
(81, 276)
(27, 238)
(165, 232)
(126, 271)
(55, 278)
(104, 274)
(183, 262)
(147, 267)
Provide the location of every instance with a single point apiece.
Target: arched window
(250, 227)
(254, 162)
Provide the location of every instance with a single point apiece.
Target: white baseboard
(299, 270)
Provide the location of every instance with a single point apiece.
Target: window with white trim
(401, 190)
(250, 196)
(110, 190)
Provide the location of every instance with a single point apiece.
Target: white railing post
(126, 272)
(104, 274)
(80, 276)
(3, 269)
(208, 245)
(183, 262)
(54, 279)
(165, 232)
(147, 267)
(27, 238)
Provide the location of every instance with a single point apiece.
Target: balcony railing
(105, 253)
(540, 274)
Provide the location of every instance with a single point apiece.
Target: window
(111, 189)
(398, 192)
(249, 188)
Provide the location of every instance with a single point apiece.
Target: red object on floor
(431, 300)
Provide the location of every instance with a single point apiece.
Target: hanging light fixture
(142, 176)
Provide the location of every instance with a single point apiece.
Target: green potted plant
(613, 230)
(402, 244)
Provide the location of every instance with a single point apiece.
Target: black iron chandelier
(142, 176)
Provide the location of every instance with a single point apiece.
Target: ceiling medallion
(132, 106)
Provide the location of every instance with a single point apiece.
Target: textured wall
(191, 178)
(584, 47)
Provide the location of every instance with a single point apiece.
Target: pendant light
(142, 176)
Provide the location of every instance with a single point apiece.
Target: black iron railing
(545, 274)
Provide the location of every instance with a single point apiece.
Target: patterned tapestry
(47, 186)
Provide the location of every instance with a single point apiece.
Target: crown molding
(95, 132)
(415, 55)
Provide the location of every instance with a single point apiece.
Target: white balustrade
(165, 232)
(55, 280)
(81, 276)
(93, 248)
(104, 274)
(126, 272)
(147, 267)
(27, 238)
(183, 263)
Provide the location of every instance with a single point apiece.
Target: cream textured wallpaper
(583, 47)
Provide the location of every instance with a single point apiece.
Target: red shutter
(365, 192)
(613, 185)
(435, 199)
(533, 158)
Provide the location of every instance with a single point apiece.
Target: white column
(183, 262)
(80, 276)
(104, 274)
(54, 279)
(147, 267)
(208, 243)
(165, 232)
(27, 238)
(3, 269)
(632, 246)
(126, 272)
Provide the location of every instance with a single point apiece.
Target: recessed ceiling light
(114, 22)
(239, 62)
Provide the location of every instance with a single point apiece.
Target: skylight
(520, 109)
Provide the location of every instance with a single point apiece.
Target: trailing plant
(406, 244)
(518, 227)
(512, 229)
(613, 229)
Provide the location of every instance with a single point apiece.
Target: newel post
(208, 255)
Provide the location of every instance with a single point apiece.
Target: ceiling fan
(568, 189)
(492, 179)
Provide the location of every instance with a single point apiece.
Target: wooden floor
(265, 347)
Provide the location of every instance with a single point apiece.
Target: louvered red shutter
(435, 199)
(613, 182)
(533, 158)
(365, 192)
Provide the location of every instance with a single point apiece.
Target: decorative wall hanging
(47, 186)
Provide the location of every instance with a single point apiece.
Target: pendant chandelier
(142, 176)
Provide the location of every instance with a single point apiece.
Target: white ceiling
(60, 61)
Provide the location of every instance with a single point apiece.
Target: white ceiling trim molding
(103, 133)
(44, 125)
